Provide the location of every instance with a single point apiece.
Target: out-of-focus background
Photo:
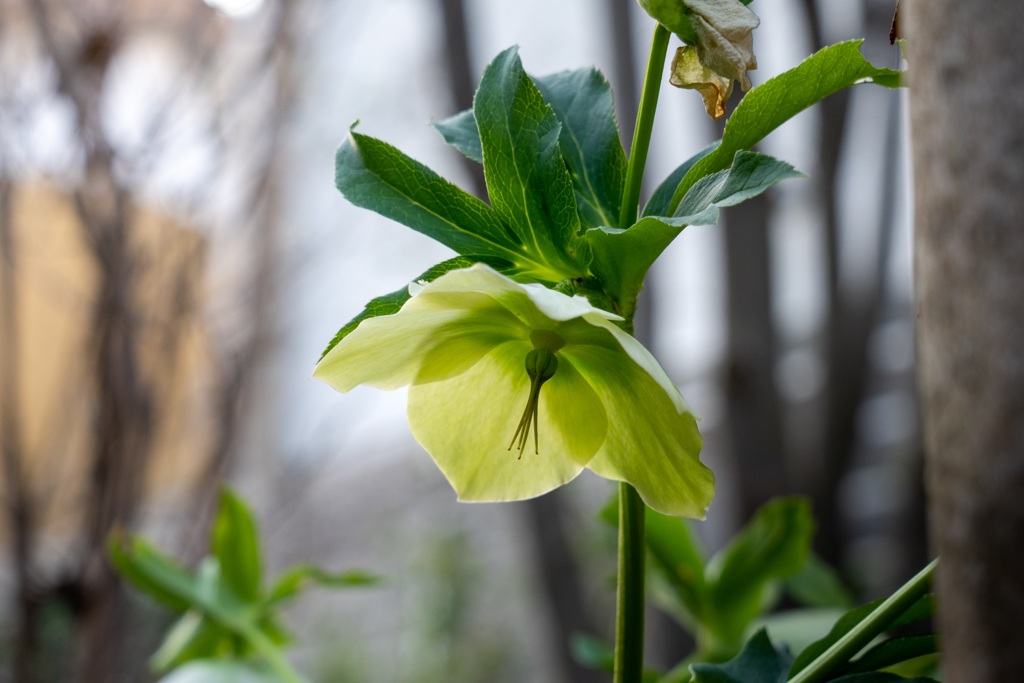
(174, 256)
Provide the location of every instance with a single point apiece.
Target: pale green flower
(475, 347)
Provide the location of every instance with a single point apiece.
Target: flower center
(541, 365)
(546, 339)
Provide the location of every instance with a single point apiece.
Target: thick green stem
(644, 125)
(629, 604)
(822, 668)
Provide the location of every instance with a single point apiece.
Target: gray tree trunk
(967, 118)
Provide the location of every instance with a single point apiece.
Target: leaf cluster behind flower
(229, 624)
(726, 603)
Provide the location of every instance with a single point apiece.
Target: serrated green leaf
(460, 132)
(236, 545)
(528, 182)
(294, 580)
(751, 174)
(893, 651)
(621, 258)
(818, 585)
(193, 636)
(779, 99)
(772, 546)
(589, 139)
(582, 102)
(389, 304)
(374, 175)
(658, 204)
(759, 662)
(152, 572)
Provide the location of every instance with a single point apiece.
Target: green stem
(644, 125)
(629, 603)
(822, 668)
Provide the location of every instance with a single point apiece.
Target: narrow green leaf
(460, 132)
(152, 572)
(582, 102)
(894, 651)
(207, 592)
(218, 598)
(759, 662)
(236, 545)
(779, 99)
(193, 636)
(527, 179)
(775, 544)
(298, 578)
(389, 304)
(843, 626)
(275, 630)
(374, 175)
(922, 608)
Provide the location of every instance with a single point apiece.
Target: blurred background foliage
(173, 257)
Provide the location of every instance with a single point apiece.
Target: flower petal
(448, 330)
(467, 421)
(650, 443)
(534, 304)
(647, 362)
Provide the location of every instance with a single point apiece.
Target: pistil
(541, 365)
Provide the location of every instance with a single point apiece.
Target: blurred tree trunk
(17, 501)
(753, 413)
(135, 341)
(123, 419)
(846, 327)
(968, 145)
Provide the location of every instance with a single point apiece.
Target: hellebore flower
(720, 46)
(474, 347)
